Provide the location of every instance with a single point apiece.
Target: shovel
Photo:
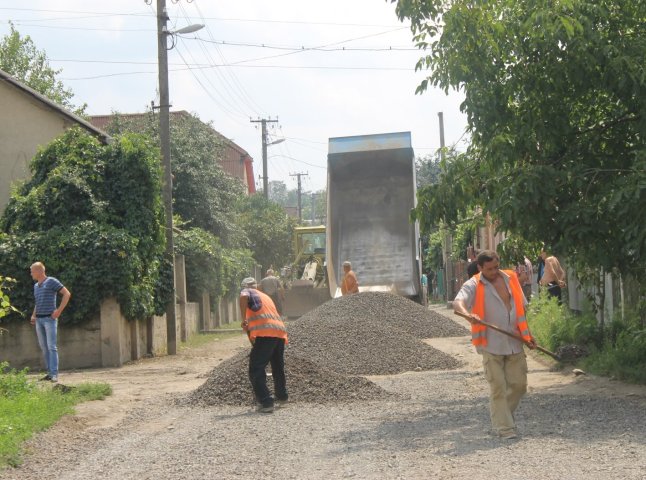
(509, 334)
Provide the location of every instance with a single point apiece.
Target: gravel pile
(228, 384)
(367, 334)
(395, 311)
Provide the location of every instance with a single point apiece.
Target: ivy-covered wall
(93, 214)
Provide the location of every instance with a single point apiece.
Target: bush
(618, 351)
(555, 325)
(93, 214)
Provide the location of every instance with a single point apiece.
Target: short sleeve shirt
(270, 285)
(45, 295)
(496, 313)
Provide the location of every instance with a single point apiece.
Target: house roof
(103, 136)
(103, 121)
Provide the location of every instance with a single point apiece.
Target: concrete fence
(109, 340)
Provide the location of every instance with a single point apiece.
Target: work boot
(265, 409)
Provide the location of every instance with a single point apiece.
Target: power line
(222, 19)
(287, 67)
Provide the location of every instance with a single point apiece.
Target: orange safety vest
(478, 331)
(266, 322)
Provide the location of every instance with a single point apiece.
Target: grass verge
(617, 351)
(27, 407)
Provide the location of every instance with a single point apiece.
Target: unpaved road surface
(438, 428)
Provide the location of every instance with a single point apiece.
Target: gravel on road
(436, 426)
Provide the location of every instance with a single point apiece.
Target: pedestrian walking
(45, 316)
(496, 296)
(349, 284)
(268, 337)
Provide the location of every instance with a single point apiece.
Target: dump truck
(371, 190)
(306, 278)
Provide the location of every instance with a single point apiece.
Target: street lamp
(164, 138)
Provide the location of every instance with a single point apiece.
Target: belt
(43, 315)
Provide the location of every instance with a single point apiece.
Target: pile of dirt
(368, 334)
(228, 384)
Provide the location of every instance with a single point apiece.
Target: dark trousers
(268, 350)
(554, 290)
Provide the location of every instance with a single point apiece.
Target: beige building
(28, 120)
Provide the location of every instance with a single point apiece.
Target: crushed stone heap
(228, 384)
(369, 334)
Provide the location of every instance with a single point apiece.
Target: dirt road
(571, 428)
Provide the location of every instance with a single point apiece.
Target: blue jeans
(47, 331)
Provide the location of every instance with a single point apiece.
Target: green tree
(204, 196)
(20, 58)
(268, 230)
(555, 101)
(427, 170)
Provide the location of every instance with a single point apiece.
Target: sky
(325, 69)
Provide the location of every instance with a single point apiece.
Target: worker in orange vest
(268, 337)
(496, 297)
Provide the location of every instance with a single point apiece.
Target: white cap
(248, 282)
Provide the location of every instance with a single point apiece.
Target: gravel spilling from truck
(370, 334)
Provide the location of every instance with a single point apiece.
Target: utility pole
(299, 175)
(448, 240)
(164, 136)
(265, 177)
(313, 205)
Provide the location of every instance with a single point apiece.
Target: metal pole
(167, 188)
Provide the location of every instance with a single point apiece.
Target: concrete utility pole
(265, 177)
(164, 136)
(299, 175)
(448, 240)
(164, 140)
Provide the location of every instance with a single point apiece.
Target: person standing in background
(525, 273)
(349, 284)
(553, 276)
(45, 316)
(271, 286)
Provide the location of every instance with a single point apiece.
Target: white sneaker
(54, 379)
